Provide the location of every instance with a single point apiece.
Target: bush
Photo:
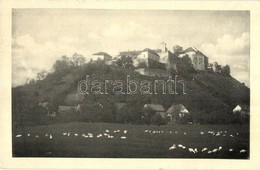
(156, 119)
(184, 120)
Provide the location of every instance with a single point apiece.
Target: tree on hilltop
(125, 61)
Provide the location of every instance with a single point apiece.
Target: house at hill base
(48, 108)
(154, 110)
(242, 110)
(102, 56)
(176, 112)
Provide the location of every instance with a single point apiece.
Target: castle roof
(129, 53)
(149, 50)
(102, 53)
(193, 49)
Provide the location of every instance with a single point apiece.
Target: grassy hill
(210, 97)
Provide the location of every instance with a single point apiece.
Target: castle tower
(163, 47)
(215, 66)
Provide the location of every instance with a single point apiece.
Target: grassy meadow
(104, 140)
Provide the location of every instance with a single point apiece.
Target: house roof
(102, 53)
(154, 107)
(242, 106)
(177, 108)
(95, 105)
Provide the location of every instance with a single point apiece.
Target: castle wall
(150, 59)
(164, 57)
(198, 60)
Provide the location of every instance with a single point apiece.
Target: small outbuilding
(177, 112)
(241, 109)
(151, 110)
(48, 108)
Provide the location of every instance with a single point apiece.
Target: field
(102, 140)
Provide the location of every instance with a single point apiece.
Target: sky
(41, 36)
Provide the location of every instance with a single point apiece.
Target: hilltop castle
(161, 59)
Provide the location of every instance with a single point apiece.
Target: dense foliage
(210, 97)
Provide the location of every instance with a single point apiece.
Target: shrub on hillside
(156, 119)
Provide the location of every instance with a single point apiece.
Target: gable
(154, 107)
(175, 109)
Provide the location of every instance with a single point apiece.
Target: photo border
(7, 161)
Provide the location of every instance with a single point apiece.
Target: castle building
(167, 57)
(164, 53)
(163, 47)
(164, 59)
(198, 59)
(148, 57)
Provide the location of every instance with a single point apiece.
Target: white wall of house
(237, 109)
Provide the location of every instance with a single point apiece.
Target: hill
(210, 96)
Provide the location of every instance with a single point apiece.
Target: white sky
(40, 37)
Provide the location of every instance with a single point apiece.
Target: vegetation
(125, 61)
(210, 96)
(137, 144)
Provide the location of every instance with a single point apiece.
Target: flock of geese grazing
(87, 135)
(196, 150)
(122, 134)
(205, 150)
